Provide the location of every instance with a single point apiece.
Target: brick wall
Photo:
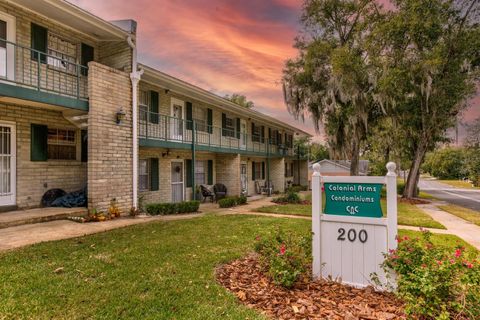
(227, 169)
(109, 144)
(34, 178)
(277, 173)
(164, 194)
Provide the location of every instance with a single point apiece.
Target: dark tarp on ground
(72, 199)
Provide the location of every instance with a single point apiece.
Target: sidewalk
(457, 226)
(24, 235)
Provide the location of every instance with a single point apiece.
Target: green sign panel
(353, 199)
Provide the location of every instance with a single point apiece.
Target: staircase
(38, 215)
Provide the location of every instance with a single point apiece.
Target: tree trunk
(355, 159)
(414, 172)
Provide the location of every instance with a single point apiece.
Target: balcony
(28, 74)
(156, 130)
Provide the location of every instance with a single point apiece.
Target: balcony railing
(26, 67)
(157, 127)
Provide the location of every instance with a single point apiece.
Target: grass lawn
(408, 215)
(458, 184)
(464, 213)
(160, 270)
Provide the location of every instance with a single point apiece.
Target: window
(229, 127)
(61, 144)
(143, 104)
(201, 168)
(143, 174)
(256, 133)
(289, 169)
(62, 54)
(258, 170)
(200, 117)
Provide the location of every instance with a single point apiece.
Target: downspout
(135, 76)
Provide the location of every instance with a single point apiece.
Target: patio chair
(207, 193)
(268, 188)
(220, 191)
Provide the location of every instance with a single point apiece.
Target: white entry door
(243, 134)
(7, 164)
(176, 121)
(7, 50)
(177, 181)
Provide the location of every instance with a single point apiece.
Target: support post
(391, 182)
(316, 216)
(194, 194)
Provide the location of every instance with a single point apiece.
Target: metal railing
(31, 68)
(154, 126)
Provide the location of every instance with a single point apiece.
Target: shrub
(434, 282)
(285, 256)
(291, 197)
(172, 208)
(229, 202)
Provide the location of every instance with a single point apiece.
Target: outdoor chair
(268, 188)
(207, 193)
(220, 191)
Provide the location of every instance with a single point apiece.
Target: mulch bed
(414, 201)
(318, 299)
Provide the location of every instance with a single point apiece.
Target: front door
(7, 49)
(243, 134)
(7, 164)
(176, 121)
(177, 181)
(244, 178)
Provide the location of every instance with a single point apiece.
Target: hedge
(229, 202)
(172, 208)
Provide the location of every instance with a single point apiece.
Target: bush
(291, 197)
(172, 208)
(229, 202)
(285, 256)
(434, 282)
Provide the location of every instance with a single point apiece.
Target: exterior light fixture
(120, 116)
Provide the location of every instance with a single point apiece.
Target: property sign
(351, 235)
(353, 199)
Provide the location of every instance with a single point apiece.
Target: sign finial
(391, 166)
(316, 169)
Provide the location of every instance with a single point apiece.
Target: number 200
(352, 235)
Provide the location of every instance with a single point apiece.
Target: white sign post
(350, 235)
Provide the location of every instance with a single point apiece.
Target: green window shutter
(209, 120)
(154, 172)
(38, 142)
(224, 123)
(270, 135)
(238, 128)
(84, 143)
(189, 115)
(253, 170)
(253, 130)
(210, 172)
(262, 134)
(87, 56)
(279, 138)
(154, 106)
(188, 168)
(39, 41)
(263, 170)
(291, 169)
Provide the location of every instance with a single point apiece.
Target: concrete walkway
(28, 234)
(455, 225)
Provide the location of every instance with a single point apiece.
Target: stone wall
(109, 143)
(34, 178)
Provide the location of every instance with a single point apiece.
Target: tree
(329, 80)
(473, 134)
(427, 56)
(240, 100)
(446, 163)
(314, 151)
(472, 143)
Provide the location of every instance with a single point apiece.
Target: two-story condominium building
(77, 110)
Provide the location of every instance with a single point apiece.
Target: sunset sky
(225, 46)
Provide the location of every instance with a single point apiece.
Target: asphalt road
(467, 198)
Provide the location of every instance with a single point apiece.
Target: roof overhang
(176, 85)
(73, 17)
